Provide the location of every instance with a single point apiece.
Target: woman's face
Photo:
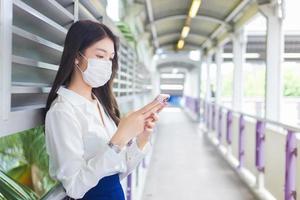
(103, 49)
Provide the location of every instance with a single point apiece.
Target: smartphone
(162, 98)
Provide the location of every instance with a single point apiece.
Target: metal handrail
(283, 125)
(291, 149)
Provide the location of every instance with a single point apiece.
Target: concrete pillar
(208, 91)
(274, 58)
(219, 61)
(196, 75)
(208, 82)
(155, 83)
(76, 10)
(239, 51)
(199, 76)
(6, 16)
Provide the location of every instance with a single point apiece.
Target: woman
(90, 149)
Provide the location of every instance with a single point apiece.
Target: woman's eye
(100, 57)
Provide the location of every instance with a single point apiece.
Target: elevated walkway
(185, 166)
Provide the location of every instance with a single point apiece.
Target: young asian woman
(90, 147)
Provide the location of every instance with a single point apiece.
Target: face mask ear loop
(84, 58)
(78, 68)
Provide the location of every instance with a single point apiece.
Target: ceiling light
(185, 31)
(175, 71)
(195, 55)
(180, 44)
(171, 87)
(172, 76)
(194, 8)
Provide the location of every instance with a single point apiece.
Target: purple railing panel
(208, 116)
(241, 141)
(213, 116)
(220, 125)
(192, 104)
(129, 185)
(197, 105)
(260, 143)
(204, 111)
(229, 127)
(144, 165)
(290, 166)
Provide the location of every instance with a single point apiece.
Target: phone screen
(163, 98)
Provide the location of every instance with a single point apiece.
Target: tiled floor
(185, 166)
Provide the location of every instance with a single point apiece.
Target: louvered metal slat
(30, 19)
(37, 31)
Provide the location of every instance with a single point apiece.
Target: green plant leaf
(17, 172)
(14, 191)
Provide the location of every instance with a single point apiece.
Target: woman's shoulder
(61, 117)
(60, 105)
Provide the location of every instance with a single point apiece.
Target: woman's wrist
(142, 141)
(119, 140)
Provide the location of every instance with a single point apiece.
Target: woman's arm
(65, 148)
(134, 155)
(140, 146)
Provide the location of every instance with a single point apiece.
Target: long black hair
(81, 35)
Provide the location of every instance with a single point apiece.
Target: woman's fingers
(150, 124)
(149, 106)
(149, 130)
(164, 105)
(155, 117)
(152, 110)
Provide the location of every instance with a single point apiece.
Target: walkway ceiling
(175, 64)
(256, 44)
(166, 19)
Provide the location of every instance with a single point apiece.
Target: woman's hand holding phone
(144, 137)
(136, 123)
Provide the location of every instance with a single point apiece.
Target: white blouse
(76, 143)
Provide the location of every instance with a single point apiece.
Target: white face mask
(97, 73)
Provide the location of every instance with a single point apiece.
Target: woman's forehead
(105, 45)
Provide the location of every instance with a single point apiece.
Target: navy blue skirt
(108, 188)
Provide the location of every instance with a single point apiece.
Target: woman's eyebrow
(99, 49)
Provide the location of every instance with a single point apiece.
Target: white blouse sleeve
(134, 155)
(65, 148)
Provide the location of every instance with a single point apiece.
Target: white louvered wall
(32, 36)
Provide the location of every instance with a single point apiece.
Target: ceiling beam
(187, 42)
(171, 46)
(177, 64)
(191, 35)
(170, 35)
(183, 17)
(151, 19)
(229, 18)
